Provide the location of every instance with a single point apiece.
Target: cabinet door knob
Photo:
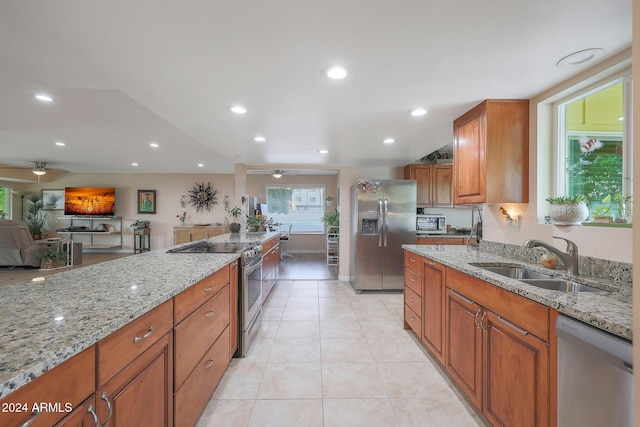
(209, 363)
(209, 314)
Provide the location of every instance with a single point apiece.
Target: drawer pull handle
(412, 260)
(211, 313)
(109, 408)
(412, 279)
(411, 299)
(91, 410)
(145, 336)
(475, 319)
(209, 363)
(34, 416)
(210, 288)
(432, 264)
(412, 318)
(463, 298)
(512, 326)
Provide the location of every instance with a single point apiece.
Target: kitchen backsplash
(619, 272)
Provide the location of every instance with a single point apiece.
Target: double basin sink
(540, 280)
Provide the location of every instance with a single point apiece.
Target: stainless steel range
(249, 282)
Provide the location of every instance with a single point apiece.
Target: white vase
(568, 213)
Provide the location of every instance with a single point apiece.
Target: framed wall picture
(146, 201)
(52, 199)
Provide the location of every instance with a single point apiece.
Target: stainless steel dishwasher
(595, 375)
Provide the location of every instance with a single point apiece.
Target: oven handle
(254, 267)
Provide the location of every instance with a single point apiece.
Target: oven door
(252, 293)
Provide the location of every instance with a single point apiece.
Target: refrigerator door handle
(386, 222)
(380, 221)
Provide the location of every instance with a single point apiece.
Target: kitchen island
(46, 323)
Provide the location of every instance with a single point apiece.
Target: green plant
(35, 217)
(235, 213)
(56, 257)
(331, 219)
(567, 199)
(606, 209)
(140, 224)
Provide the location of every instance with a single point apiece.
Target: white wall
(169, 188)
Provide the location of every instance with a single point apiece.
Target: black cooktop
(208, 247)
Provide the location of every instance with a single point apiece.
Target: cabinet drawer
(198, 331)
(192, 298)
(413, 320)
(71, 382)
(413, 300)
(192, 398)
(413, 262)
(128, 342)
(441, 240)
(413, 281)
(266, 246)
(528, 315)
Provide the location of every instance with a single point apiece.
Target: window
(594, 147)
(5, 203)
(300, 206)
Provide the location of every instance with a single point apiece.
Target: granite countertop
(610, 311)
(43, 324)
(451, 235)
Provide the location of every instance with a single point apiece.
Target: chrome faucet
(569, 258)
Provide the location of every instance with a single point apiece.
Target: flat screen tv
(90, 201)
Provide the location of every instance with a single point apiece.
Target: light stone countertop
(43, 324)
(610, 311)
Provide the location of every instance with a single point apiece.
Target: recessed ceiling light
(60, 144)
(259, 139)
(579, 57)
(417, 112)
(389, 141)
(323, 151)
(238, 109)
(43, 97)
(134, 164)
(154, 145)
(200, 165)
(336, 73)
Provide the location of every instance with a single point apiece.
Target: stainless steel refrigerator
(383, 218)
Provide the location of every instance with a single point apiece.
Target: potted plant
(53, 259)
(331, 219)
(235, 213)
(329, 200)
(568, 210)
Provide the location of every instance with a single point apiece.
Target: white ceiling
(124, 73)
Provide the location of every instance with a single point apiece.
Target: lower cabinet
(495, 345)
(142, 393)
(234, 278)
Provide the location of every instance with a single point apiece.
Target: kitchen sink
(519, 273)
(560, 285)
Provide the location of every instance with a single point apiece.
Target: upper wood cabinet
(491, 153)
(433, 184)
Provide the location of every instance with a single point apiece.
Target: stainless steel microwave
(431, 224)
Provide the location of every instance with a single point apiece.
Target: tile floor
(325, 356)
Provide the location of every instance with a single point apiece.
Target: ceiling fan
(19, 173)
(276, 173)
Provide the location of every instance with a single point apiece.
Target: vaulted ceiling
(126, 73)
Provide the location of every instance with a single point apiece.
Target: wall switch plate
(515, 224)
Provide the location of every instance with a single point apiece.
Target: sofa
(17, 248)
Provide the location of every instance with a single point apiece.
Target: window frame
(322, 187)
(560, 149)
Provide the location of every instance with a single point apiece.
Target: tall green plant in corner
(331, 219)
(35, 216)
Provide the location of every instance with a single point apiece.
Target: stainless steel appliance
(249, 284)
(595, 376)
(383, 218)
(431, 224)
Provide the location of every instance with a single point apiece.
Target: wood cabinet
(433, 285)
(493, 352)
(142, 393)
(413, 292)
(443, 240)
(72, 382)
(491, 153)
(433, 183)
(186, 233)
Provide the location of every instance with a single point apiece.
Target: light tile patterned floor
(325, 356)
